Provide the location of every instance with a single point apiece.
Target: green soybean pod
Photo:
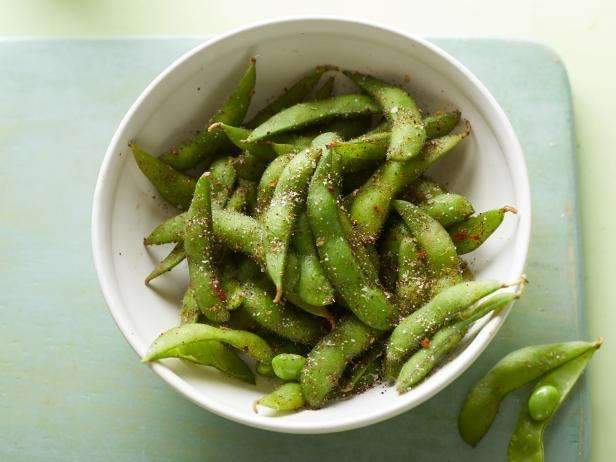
(293, 95)
(469, 234)
(171, 230)
(173, 186)
(189, 313)
(313, 286)
(279, 318)
(268, 182)
(175, 257)
(408, 132)
(512, 372)
(441, 258)
(328, 359)
(421, 363)
(364, 373)
(208, 144)
(365, 254)
(199, 246)
(288, 366)
(287, 397)
(372, 202)
(240, 233)
(223, 177)
(281, 215)
(448, 209)
(170, 342)
(526, 444)
(305, 114)
(406, 338)
(423, 189)
(261, 150)
(413, 283)
(390, 251)
(243, 196)
(361, 153)
(441, 123)
(363, 295)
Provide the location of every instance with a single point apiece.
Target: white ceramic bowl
(488, 167)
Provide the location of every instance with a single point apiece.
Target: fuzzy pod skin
(469, 234)
(363, 295)
(170, 230)
(173, 186)
(512, 372)
(268, 182)
(413, 283)
(526, 444)
(199, 246)
(287, 397)
(208, 144)
(448, 209)
(328, 359)
(223, 178)
(279, 318)
(372, 202)
(408, 132)
(168, 343)
(291, 96)
(406, 338)
(305, 114)
(279, 219)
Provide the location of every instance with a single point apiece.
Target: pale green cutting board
(71, 389)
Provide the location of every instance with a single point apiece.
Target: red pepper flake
(174, 150)
(425, 343)
(421, 254)
(459, 235)
(475, 237)
(218, 289)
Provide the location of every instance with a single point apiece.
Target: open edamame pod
(363, 295)
(469, 234)
(372, 201)
(173, 186)
(406, 338)
(280, 217)
(305, 114)
(512, 372)
(199, 246)
(327, 361)
(408, 133)
(293, 95)
(207, 144)
(526, 444)
(168, 344)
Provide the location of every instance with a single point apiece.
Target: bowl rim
(103, 261)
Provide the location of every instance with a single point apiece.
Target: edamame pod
(207, 144)
(242, 197)
(313, 286)
(287, 397)
(198, 243)
(325, 91)
(288, 366)
(293, 95)
(526, 444)
(223, 177)
(448, 209)
(279, 318)
(268, 182)
(390, 252)
(280, 217)
(173, 186)
(408, 133)
(189, 313)
(304, 114)
(441, 123)
(469, 234)
(328, 359)
(175, 257)
(406, 338)
(169, 343)
(372, 202)
(364, 296)
(442, 261)
(171, 230)
(364, 373)
(421, 363)
(413, 284)
(512, 372)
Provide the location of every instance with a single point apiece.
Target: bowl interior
(487, 167)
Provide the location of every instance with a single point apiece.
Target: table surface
(69, 374)
(581, 33)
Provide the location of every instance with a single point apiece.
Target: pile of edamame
(315, 244)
